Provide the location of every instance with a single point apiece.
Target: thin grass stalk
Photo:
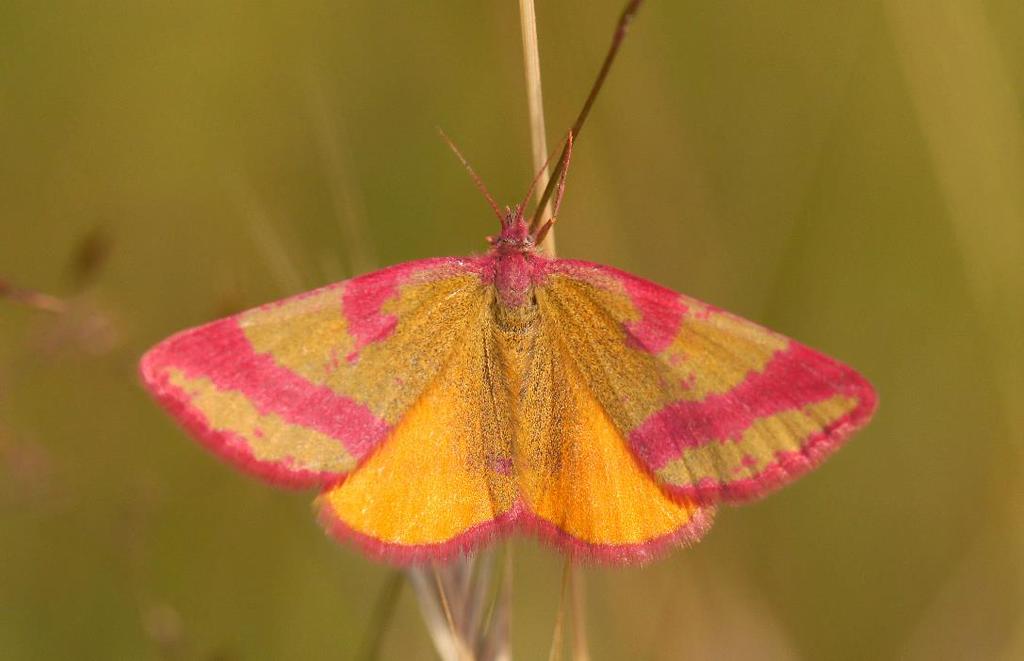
(535, 100)
(976, 144)
(558, 636)
(580, 649)
(446, 607)
(621, 28)
(349, 210)
(265, 234)
(32, 298)
(383, 611)
(429, 587)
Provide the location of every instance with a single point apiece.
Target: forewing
(716, 407)
(441, 483)
(300, 390)
(582, 487)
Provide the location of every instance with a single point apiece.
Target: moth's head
(515, 235)
(518, 234)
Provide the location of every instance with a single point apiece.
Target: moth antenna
(544, 229)
(533, 185)
(476, 178)
(561, 178)
(621, 28)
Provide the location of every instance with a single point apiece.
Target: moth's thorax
(513, 279)
(517, 264)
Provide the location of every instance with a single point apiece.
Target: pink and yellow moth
(443, 402)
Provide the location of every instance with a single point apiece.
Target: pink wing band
(519, 518)
(794, 378)
(660, 310)
(226, 443)
(257, 412)
(221, 352)
(787, 466)
(364, 297)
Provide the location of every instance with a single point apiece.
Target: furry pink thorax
(516, 261)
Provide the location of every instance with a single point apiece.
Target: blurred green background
(850, 173)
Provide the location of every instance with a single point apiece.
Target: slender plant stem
(621, 28)
(535, 99)
(460, 646)
(283, 266)
(496, 595)
(580, 650)
(557, 637)
(32, 298)
(331, 142)
(444, 601)
(381, 617)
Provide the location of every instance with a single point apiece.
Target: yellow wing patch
(317, 341)
(705, 350)
(442, 472)
(575, 471)
(420, 488)
(269, 438)
(758, 446)
(596, 491)
(289, 328)
(710, 352)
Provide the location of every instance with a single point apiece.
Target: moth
(443, 402)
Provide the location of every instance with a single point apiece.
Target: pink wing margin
(783, 416)
(252, 407)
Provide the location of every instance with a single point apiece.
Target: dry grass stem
(284, 269)
(32, 298)
(580, 649)
(346, 198)
(444, 601)
(383, 611)
(977, 149)
(558, 636)
(428, 586)
(535, 99)
(621, 28)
